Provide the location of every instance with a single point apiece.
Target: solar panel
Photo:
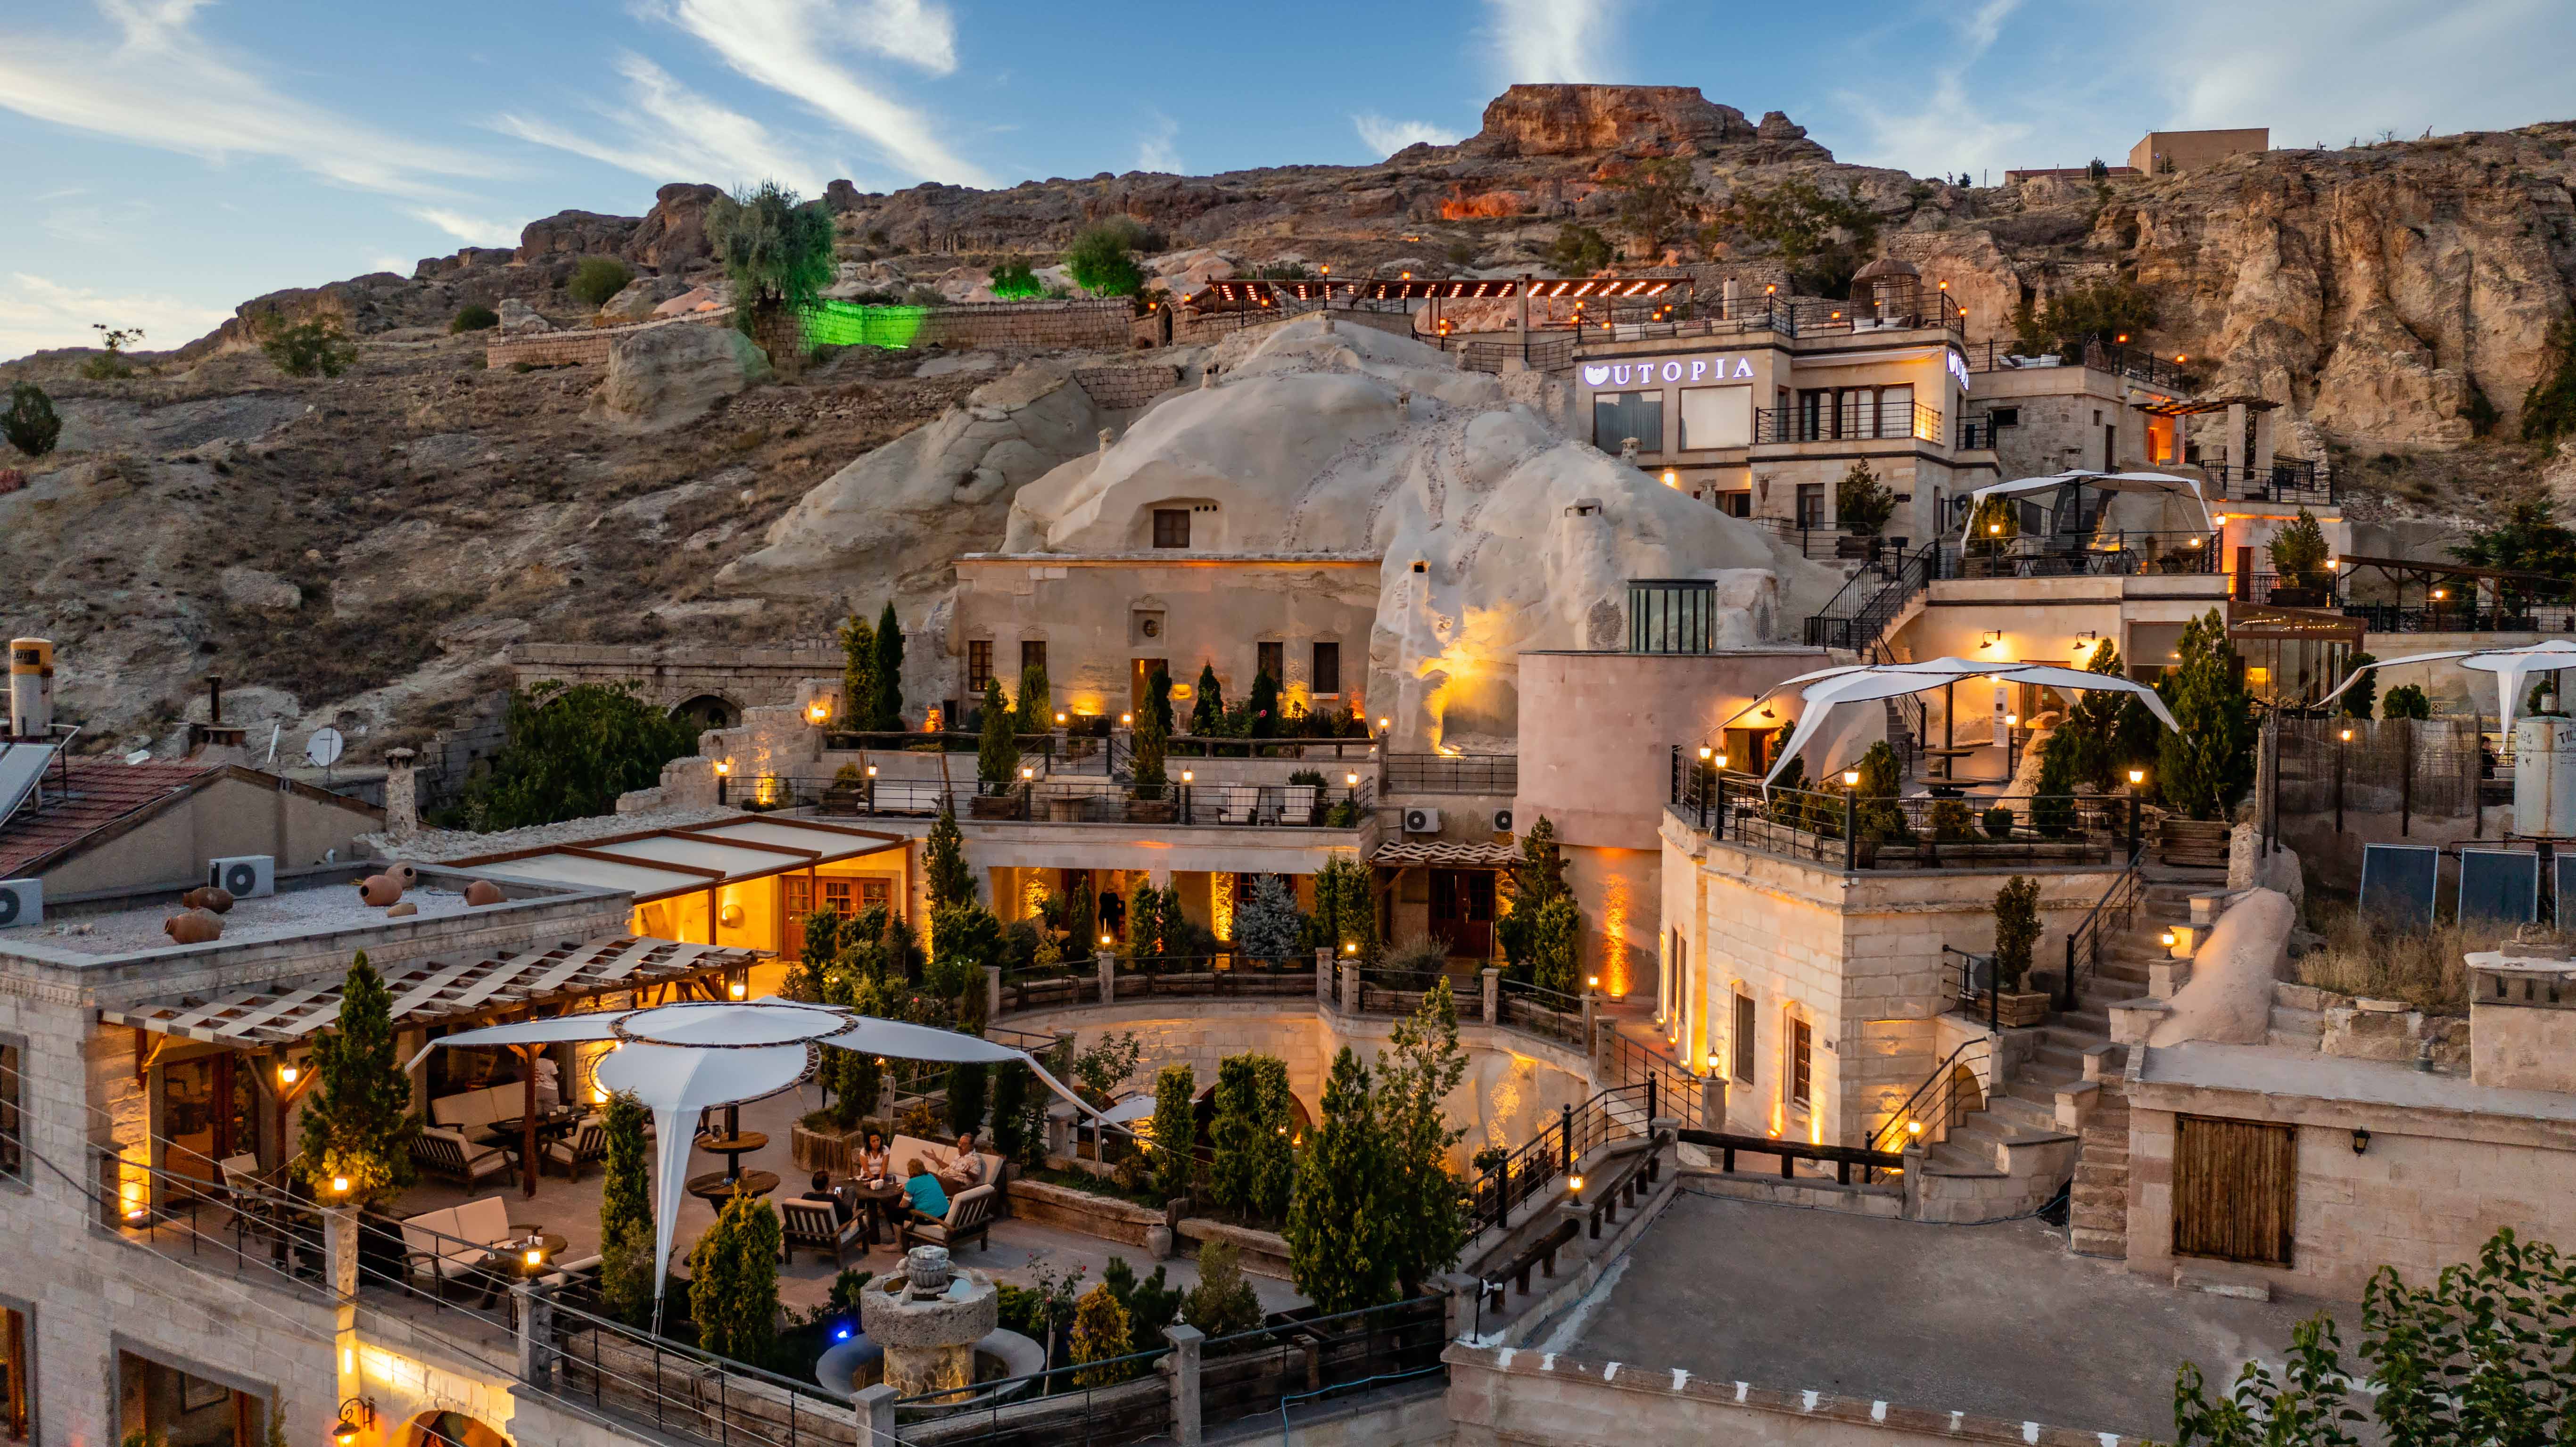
(2566, 878)
(2499, 884)
(2397, 883)
(21, 765)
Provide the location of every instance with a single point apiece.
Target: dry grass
(2427, 969)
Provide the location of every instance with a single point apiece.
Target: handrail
(1727, 1143)
(1909, 1119)
(2087, 935)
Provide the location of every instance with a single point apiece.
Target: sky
(173, 158)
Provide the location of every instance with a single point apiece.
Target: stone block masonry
(1093, 324)
(588, 347)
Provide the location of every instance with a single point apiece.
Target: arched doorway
(447, 1429)
(709, 711)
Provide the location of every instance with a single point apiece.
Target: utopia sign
(1679, 369)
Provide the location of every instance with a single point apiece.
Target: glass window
(1744, 1018)
(1327, 677)
(1717, 417)
(1618, 416)
(13, 1092)
(1736, 504)
(1811, 505)
(1801, 1063)
(1171, 527)
(1272, 659)
(1032, 654)
(17, 1384)
(979, 664)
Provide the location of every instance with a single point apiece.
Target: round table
(714, 1186)
(873, 1204)
(509, 1136)
(510, 1258)
(733, 1148)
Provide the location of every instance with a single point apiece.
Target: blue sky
(172, 158)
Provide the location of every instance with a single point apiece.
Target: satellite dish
(324, 747)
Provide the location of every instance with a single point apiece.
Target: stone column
(1712, 1102)
(1350, 989)
(1108, 965)
(1184, 1366)
(2236, 450)
(1324, 976)
(1591, 1034)
(992, 991)
(875, 1406)
(1493, 996)
(2261, 460)
(536, 1334)
(1726, 299)
(402, 798)
(340, 1250)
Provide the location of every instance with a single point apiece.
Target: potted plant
(2016, 931)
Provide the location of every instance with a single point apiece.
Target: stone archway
(709, 711)
(447, 1429)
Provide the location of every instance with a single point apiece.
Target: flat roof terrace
(1996, 1321)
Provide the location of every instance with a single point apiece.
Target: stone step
(2055, 1055)
(2090, 1197)
(2289, 1020)
(2111, 1244)
(1959, 1160)
(2102, 1176)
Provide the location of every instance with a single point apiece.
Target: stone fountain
(928, 1321)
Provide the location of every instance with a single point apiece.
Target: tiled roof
(101, 793)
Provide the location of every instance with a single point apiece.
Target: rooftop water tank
(2544, 777)
(31, 688)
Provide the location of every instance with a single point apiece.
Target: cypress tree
(997, 753)
(1337, 1232)
(358, 1125)
(1264, 704)
(2206, 765)
(1158, 698)
(1207, 711)
(1175, 1132)
(733, 1281)
(625, 1215)
(1425, 1211)
(1344, 912)
(966, 1083)
(1537, 879)
(1035, 713)
(1152, 739)
(885, 712)
(1099, 1335)
(951, 882)
(858, 673)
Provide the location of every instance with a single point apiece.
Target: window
(2006, 416)
(1801, 1063)
(1327, 674)
(2235, 1189)
(1744, 1018)
(13, 1125)
(165, 1404)
(1717, 417)
(1272, 659)
(1736, 504)
(1171, 527)
(17, 1377)
(979, 665)
(1032, 654)
(1811, 505)
(1618, 416)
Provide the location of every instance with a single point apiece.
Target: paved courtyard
(1994, 1320)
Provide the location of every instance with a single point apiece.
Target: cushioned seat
(969, 1218)
(446, 1245)
(816, 1227)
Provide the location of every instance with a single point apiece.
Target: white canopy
(1866, 682)
(680, 1060)
(2510, 666)
(2101, 481)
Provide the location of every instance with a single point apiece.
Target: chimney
(214, 741)
(31, 688)
(402, 801)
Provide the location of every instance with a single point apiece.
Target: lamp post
(2342, 738)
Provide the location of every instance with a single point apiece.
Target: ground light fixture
(1574, 1185)
(1351, 948)
(872, 771)
(2347, 736)
(1353, 780)
(339, 1185)
(1188, 775)
(1706, 753)
(2137, 777)
(1059, 718)
(1126, 719)
(2167, 939)
(1851, 778)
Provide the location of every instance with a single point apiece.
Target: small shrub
(110, 365)
(1102, 258)
(474, 316)
(1223, 1303)
(1013, 279)
(2407, 700)
(1100, 1333)
(1951, 821)
(2016, 931)
(597, 279)
(30, 424)
(314, 348)
(1999, 822)
(1578, 250)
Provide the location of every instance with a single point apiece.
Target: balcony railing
(1453, 774)
(1977, 434)
(1337, 805)
(2291, 481)
(2134, 363)
(1881, 422)
(1838, 829)
(2515, 615)
(2080, 555)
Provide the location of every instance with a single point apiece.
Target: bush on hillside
(597, 279)
(474, 316)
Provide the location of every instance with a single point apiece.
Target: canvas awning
(435, 992)
(658, 864)
(2022, 487)
(2511, 666)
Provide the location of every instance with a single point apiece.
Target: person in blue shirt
(922, 1192)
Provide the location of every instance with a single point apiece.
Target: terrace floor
(1994, 1320)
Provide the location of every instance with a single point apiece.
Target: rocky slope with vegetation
(359, 546)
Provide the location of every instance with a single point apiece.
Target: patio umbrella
(1864, 683)
(2510, 666)
(680, 1060)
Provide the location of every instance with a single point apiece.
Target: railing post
(1712, 1102)
(1650, 1092)
(992, 991)
(1324, 976)
(2066, 989)
(1565, 1139)
(1108, 966)
(536, 1334)
(876, 1416)
(1851, 831)
(1493, 995)
(2133, 829)
(1350, 989)
(1183, 1363)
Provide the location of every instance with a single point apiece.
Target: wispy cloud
(472, 230)
(160, 83)
(1385, 137)
(1553, 41)
(1946, 128)
(667, 132)
(796, 47)
(1154, 150)
(36, 314)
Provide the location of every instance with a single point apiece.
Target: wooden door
(2235, 1189)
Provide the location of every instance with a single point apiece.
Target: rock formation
(664, 376)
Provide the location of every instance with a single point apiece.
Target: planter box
(825, 1150)
(993, 806)
(1265, 1253)
(2016, 1009)
(1152, 811)
(1104, 1216)
(2200, 843)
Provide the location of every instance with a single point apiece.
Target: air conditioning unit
(245, 876)
(22, 901)
(1418, 820)
(1502, 821)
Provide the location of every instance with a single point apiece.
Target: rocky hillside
(362, 546)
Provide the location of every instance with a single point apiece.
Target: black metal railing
(1538, 349)
(1976, 434)
(1844, 1159)
(1225, 975)
(2078, 555)
(2135, 363)
(1500, 1187)
(2272, 589)
(951, 741)
(2514, 615)
(1350, 748)
(1859, 615)
(1075, 800)
(2115, 910)
(1834, 826)
(1884, 421)
(1547, 1013)
(1939, 1103)
(2285, 480)
(1672, 615)
(1302, 1357)
(1821, 543)
(1491, 774)
(1675, 1089)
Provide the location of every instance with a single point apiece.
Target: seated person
(876, 1163)
(966, 1171)
(921, 1192)
(844, 1210)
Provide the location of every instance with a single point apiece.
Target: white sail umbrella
(2510, 666)
(2165, 482)
(1827, 689)
(681, 1060)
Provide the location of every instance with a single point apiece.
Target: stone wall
(670, 676)
(588, 347)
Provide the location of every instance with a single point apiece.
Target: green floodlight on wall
(848, 324)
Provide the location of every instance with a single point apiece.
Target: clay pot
(481, 892)
(404, 873)
(379, 890)
(402, 909)
(194, 927)
(209, 896)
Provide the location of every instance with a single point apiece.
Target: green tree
(2106, 311)
(997, 753)
(964, 938)
(1100, 1335)
(1862, 503)
(1035, 711)
(1150, 1304)
(1013, 280)
(1821, 239)
(733, 1281)
(1207, 711)
(2406, 700)
(885, 712)
(1151, 741)
(778, 252)
(1578, 250)
(2052, 807)
(2299, 552)
(1264, 704)
(110, 364)
(2207, 763)
(1535, 882)
(595, 279)
(1554, 940)
(2549, 408)
(858, 673)
(1658, 201)
(1174, 1135)
(358, 1123)
(1338, 1230)
(1019, 1112)
(950, 881)
(312, 348)
(573, 749)
(1424, 1205)
(2358, 700)
(2529, 540)
(474, 316)
(1269, 925)
(1345, 911)
(1250, 1163)
(966, 1096)
(1881, 780)
(2016, 931)
(30, 424)
(626, 1241)
(1102, 258)
(1223, 1303)
(1158, 697)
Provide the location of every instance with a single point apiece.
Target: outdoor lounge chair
(588, 1142)
(448, 1153)
(969, 1218)
(816, 1227)
(452, 1244)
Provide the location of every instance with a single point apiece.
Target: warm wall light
(598, 1095)
(287, 1074)
(730, 916)
(1059, 718)
(2166, 939)
(1672, 479)
(2347, 736)
(1351, 948)
(818, 711)
(737, 989)
(1851, 778)
(2360, 1139)
(2441, 593)
(2333, 563)
(339, 1185)
(1706, 753)
(1989, 638)
(2137, 777)
(1126, 719)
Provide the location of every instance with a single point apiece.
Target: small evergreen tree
(1102, 261)
(596, 279)
(1269, 925)
(2406, 700)
(1017, 1128)
(1175, 1129)
(858, 673)
(1099, 1335)
(1207, 711)
(1264, 704)
(966, 1083)
(951, 882)
(1151, 1305)
(1555, 940)
(1425, 1206)
(777, 251)
(733, 1281)
(964, 938)
(1035, 711)
(625, 1214)
(1862, 503)
(1152, 739)
(30, 424)
(2362, 697)
(997, 753)
(1338, 1232)
(1158, 698)
(1251, 1164)
(314, 348)
(2205, 765)
(2016, 931)
(2052, 810)
(474, 316)
(885, 713)
(1880, 781)
(1345, 912)
(358, 1124)
(2299, 552)
(1223, 1303)
(1527, 930)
